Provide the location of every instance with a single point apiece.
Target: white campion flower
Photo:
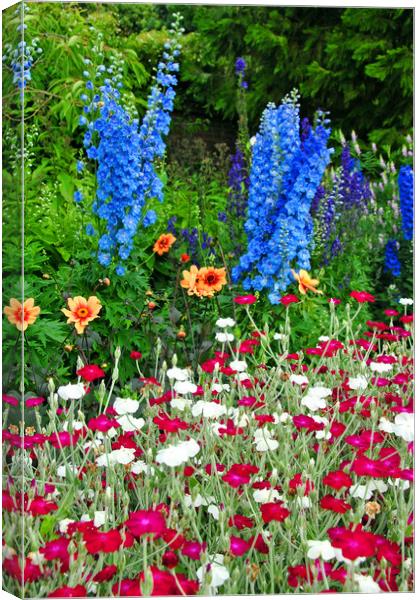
(63, 525)
(62, 470)
(178, 374)
(285, 417)
(313, 402)
(243, 376)
(209, 410)
(77, 425)
(265, 495)
(401, 484)
(124, 406)
(380, 367)
(100, 517)
(181, 403)
(280, 337)
(298, 379)
(224, 337)
(320, 549)
(198, 501)
(406, 301)
(129, 423)
(323, 338)
(214, 511)
(219, 573)
(71, 391)
(220, 387)
(238, 365)
(122, 456)
(240, 419)
(385, 425)
(365, 492)
(185, 387)
(404, 426)
(223, 323)
(358, 383)
(303, 502)
(366, 583)
(263, 440)
(319, 391)
(141, 467)
(175, 455)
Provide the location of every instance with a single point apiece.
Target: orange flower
(190, 280)
(20, 314)
(210, 280)
(164, 243)
(204, 282)
(82, 311)
(305, 282)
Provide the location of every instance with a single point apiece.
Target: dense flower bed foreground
(268, 471)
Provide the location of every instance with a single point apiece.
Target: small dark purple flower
(240, 65)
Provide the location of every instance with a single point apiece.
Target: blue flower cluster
(125, 151)
(240, 66)
(285, 175)
(191, 237)
(338, 210)
(21, 58)
(392, 262)
(406, 188)
(238, 181)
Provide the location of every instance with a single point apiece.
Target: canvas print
(207, 300)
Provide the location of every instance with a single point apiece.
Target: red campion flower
(36, 401)
(8, 503)
(127, 587)
(289, 299)
(170, 559)
(240, 522)
(299, 573)
(239, 475)
(353, 544)
(362, 296)
(56, 550)
(306, 422)
(297, 482)
(259, 544)
(62, 439)
(173, 538)
(10, 400)
(336, 505)
(170, 425)
(212, 470)
(31, 572)
(91, 372)
(99, 541)
(102, 423)
(388, 550)
(146, 521)
(79, 591)
(248, 299)
(105, 574)
(337, 480)
(40, 506)
(368, 467)
(193, 549)
(135, 355)
(391, 312)
(238, 546)
(273, 511)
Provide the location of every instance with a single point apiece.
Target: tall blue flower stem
(285, 174)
